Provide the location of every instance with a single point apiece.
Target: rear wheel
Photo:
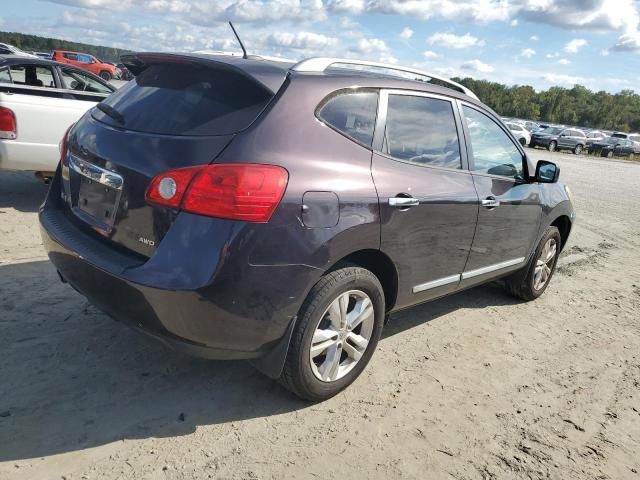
(523, 142)
(553, 145)
(631, 156)
(337, 331)
(531, 282)
(610, 154)
(578, 149)
(105, 75)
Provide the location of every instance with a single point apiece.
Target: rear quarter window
(352, 114)
(187, 99)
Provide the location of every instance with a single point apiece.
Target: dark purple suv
(250, 209)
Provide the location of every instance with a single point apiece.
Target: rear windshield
(186, 99)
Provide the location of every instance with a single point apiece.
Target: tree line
(577, 106)
(35, 43)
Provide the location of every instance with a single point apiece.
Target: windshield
(552, 130)
(611, 140)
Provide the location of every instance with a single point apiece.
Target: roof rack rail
(320, 64)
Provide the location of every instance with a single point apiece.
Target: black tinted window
(493, 151)
(353, 113)
(187, 99)
(422, 130)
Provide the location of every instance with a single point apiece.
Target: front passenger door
(510, 209)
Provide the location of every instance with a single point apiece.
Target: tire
(106, 76)
(631, 156)
(553, 145)
(523, 142)
(578, 149)
(523, 284)
(610, 154)
(299, 375)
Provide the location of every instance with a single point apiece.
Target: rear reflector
(237, 191)
(8, 124)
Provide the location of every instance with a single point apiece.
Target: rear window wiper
(112, 112)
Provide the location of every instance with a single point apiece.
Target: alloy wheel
(544, 264)
(342, 336)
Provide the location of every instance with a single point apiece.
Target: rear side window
(187, 99)
(422, 130)
(352, 113)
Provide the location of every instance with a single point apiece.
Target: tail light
(8, 124)
(242, 191)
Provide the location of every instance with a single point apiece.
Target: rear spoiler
(268, 74)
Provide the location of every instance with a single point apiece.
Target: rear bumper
(242, 312)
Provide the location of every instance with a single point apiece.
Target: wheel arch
(380, 265)
(563, 224)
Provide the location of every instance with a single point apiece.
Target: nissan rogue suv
(239, 208)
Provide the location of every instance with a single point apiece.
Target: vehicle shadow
(22, 191)
(72, 378)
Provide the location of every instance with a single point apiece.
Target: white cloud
(481, 11)
(347, 6)
(574, 45)
(430, 54)
(534, 38)
(406, 33)
(300, 40)
(629, 42)
(477, 66)
(561, 79)
(449, 40)
(604, 52)
(371, 49)
(552, 55)
(514, 22)
(564, 61)
(527, 53)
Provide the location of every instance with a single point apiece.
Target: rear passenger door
(428, 203)
(510, 210)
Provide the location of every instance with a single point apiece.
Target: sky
(542, 43)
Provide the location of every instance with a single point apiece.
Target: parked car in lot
(634, 137)
(184, 206)
(6, 49)
(521, 133)
(104, 70)
(39, 99)
(614, 147)
(594, 136)
(557, 138)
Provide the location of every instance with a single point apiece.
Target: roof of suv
(271, 73)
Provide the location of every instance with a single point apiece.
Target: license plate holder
(98, 200)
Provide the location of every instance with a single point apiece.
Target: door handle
(403, 202)
(490, 202)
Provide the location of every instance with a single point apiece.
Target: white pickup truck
(39, 100)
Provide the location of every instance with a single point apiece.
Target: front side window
(493, 151)
(422, 130)
(70, 56)
(352, 113)
(74, 80)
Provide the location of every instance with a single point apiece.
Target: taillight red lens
(247, 192)
(8, 124)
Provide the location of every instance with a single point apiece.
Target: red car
(87, 62)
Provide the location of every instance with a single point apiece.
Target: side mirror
(547, 172)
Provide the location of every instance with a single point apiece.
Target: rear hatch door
(177, 112)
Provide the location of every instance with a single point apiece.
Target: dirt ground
(475, 386)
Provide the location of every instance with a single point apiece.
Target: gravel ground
(475, 386)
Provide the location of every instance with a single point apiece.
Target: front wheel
(523, 142)
(106, 75)
(578, 149)
(631, 156)
(531, 282)
(337, 331)
(553, 145)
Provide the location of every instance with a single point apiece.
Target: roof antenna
(244, 50)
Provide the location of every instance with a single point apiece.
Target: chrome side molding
(465, 275)
(436, 283)
(492, 268)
